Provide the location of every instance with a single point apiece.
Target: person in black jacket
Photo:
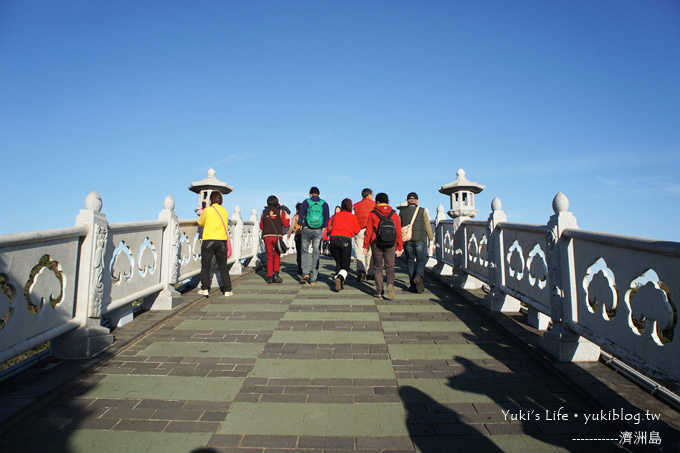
(273, 224)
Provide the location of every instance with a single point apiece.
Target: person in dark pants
(384, 249)
(342, 227)
(214, 220)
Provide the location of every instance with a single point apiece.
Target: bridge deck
(290, 366)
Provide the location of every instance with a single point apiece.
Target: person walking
(296, 230)
(314, 216)
(383, 237)
(273, 224)
(361, 211)
(417, 221)
(342, 227)
(214, 220)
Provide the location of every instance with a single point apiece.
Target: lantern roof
(461, 183)
(212, 183)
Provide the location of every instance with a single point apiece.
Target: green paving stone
(320, 369)
(443, 351)
(287, 285)
(185, 349)
(347, 302)
(330, 316)
(403, 296)
(245, 308)
(166, 388)
(327, 337)
(262, 296)
(412, 309)
(323, 289)
(87, 441)
(460, 390)
(236, 325)
(315, 419)
(425, 326)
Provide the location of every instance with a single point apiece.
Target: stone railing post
(496, 299)
(91, 338)
(237, 242)
(169, 298)
(560, 342)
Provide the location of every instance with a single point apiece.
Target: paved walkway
(301, 367)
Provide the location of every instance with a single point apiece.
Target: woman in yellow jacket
(214, 220)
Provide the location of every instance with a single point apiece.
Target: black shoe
(269, 280)
(360, 276)
(277, 279)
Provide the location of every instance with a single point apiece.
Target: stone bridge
(528, 337)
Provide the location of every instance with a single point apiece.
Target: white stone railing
(596, 290)
(62, 285)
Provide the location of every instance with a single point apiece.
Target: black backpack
(386, 233)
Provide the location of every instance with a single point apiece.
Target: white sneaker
(228, 294)
(203, 292)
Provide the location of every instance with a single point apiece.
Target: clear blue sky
(138, 99)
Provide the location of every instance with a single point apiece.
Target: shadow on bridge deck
(300, 367)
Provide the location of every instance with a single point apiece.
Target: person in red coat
(273, 224)
(383, 256)
(342, 227)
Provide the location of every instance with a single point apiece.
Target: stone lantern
(206, 187)
(462, 193)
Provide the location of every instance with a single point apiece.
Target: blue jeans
(416, 258)
(313, 236)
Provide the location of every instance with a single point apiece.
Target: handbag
(280, 246)
(407, 231)
(229, 250)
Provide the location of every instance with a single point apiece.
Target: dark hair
(216, 197)
(346, 205)
(366, 192)
(298, 206)
(382, 198)
(314, 191)
(272, 201)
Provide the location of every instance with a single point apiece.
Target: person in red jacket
(273, 224)
(385, 248)
(361, 211)
(341, 229)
